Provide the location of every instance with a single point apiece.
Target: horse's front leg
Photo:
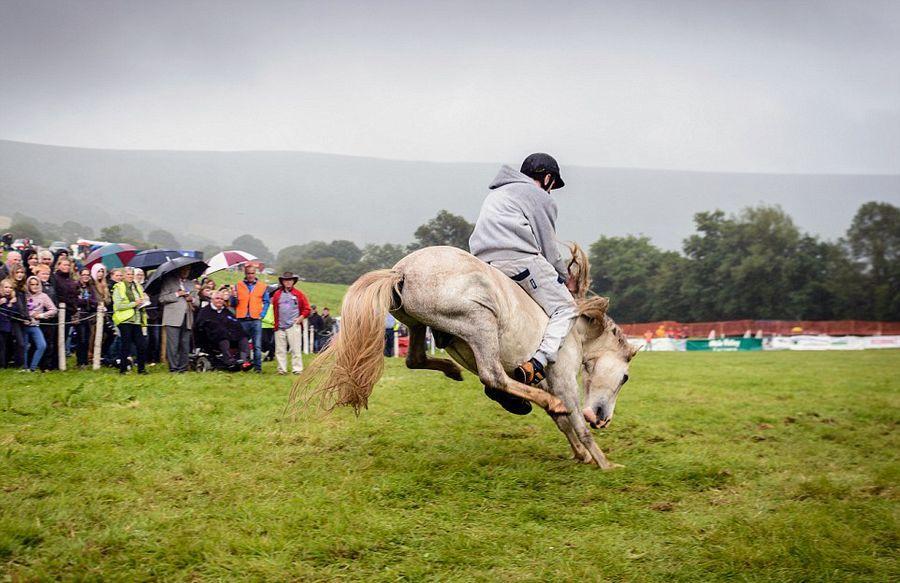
(564, 385)
(562, 379)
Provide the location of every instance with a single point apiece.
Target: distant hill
(293, 197)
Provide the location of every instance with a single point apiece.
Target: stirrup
(529, 373)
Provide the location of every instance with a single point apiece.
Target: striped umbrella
(227, 259)
(112, 255)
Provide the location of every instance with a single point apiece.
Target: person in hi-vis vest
(251, 301)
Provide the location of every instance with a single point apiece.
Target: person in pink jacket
(40, 308)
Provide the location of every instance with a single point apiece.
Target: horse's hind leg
(417, 356)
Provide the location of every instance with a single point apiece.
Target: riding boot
(513, 404)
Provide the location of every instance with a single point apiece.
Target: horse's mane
(589, 304)
(580, 270)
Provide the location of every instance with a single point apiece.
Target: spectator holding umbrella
(291, 308)
(178, 299)
(130, 317)
(251, 302)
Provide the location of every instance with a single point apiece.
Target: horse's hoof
(456, 375)
(556, 407)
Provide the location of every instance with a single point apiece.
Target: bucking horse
(488, 325)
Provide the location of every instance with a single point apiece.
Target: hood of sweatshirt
(509, 175)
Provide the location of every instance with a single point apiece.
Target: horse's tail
(347, 370)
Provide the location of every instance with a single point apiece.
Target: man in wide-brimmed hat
(291, 307)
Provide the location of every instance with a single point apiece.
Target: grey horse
(488, 325)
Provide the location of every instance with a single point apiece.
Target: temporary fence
(800, 342)
(766, 328)
(308, 336)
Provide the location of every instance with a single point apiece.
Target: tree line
(756, 264)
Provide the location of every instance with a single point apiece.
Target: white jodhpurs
(292, 337)
(545, 286)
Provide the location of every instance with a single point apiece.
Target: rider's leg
(548, 289)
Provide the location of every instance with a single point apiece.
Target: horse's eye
(624, 379)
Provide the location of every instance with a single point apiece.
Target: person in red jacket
(291, 308)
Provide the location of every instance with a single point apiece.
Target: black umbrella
(152, 258)
(198, 266)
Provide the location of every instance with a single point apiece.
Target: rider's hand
(571, 284)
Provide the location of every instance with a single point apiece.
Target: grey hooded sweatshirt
(517, 220)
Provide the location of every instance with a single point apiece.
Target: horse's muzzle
(596, 419)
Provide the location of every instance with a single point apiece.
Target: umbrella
(112, 255)
(153, 258)
(172, 266)
(227, 259)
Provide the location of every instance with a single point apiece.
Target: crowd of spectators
(237, 325)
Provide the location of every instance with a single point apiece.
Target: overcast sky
(752, 86)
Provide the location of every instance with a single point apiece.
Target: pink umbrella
(227, 259)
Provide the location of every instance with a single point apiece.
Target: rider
(516, 233)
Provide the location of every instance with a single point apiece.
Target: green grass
(754, 466)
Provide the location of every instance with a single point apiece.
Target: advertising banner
(725, 344)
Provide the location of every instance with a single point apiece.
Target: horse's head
(606, 356)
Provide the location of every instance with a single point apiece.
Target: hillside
(293, 197)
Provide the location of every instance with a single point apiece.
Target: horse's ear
(635, 349)
(594, 308)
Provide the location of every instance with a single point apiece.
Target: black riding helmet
(539, 164)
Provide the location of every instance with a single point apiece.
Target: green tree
(874, 241)
(444, 229)
(382, 256)
(625, 269)
(251, 244)
(123, 233)
(113, 233)
(163, 239)
(71, 231)
(27, 230)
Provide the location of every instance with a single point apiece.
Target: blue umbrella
(153, 258)
(197, 266)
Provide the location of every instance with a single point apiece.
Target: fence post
(396, 343)
(430, 339)
(305, 341)
(61, 336)
(312, 340)
(98, 336)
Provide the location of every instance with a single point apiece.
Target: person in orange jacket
(251, 300)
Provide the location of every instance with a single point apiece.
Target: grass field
(743, 466)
